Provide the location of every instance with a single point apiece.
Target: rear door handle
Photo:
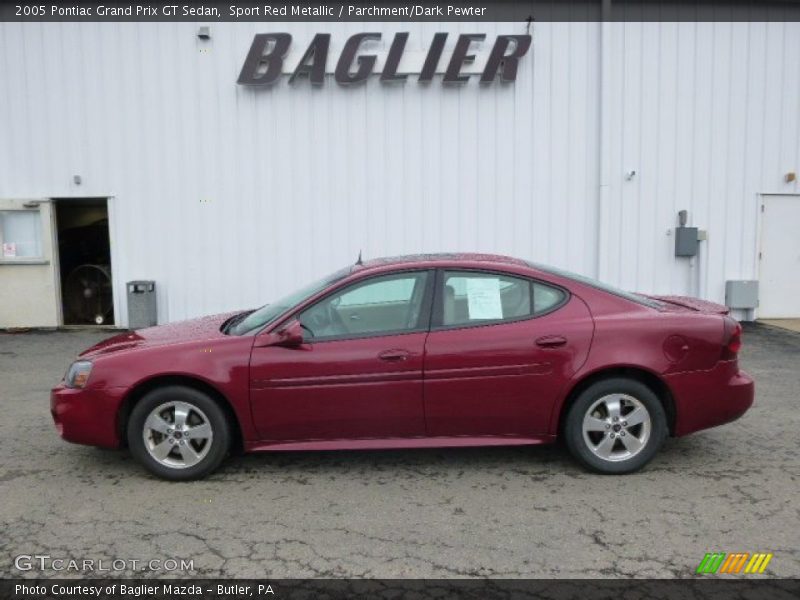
(394, 355)
(551, 341)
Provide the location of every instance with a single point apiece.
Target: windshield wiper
(235, 320)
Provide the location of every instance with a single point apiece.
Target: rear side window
(546, 298)
(470, 298)
(643, 300)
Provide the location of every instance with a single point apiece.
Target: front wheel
(615, 426)
(178, 433)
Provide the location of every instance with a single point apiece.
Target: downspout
(604, 160)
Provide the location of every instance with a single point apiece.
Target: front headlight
(78, 374)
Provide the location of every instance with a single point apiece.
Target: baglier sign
(267, 59)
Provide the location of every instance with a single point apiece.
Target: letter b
(263, 63)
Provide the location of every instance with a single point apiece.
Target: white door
(779, 273)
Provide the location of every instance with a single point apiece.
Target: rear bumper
(706, 399)
(87, 416)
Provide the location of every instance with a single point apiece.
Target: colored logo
(736, 562)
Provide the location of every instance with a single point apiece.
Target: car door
(500, 350)
(358, 373)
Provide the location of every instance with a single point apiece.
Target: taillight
(732, 339)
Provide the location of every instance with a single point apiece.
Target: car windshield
(255, 320)
(638, 298)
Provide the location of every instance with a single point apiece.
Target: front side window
(20, 234)
(380, 305)
(470, 298)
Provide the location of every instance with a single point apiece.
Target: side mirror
(290, 335)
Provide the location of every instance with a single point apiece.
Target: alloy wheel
(177, 434)
(616, 427)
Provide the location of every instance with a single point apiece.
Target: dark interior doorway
(84, 253)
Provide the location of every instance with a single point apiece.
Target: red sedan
(415, 351)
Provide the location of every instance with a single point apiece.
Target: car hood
(203, 328)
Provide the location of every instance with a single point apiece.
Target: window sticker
(483, 298)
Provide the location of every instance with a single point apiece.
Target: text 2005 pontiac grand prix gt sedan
(429, 350)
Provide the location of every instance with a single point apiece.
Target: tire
(178, 454)
(609, 446)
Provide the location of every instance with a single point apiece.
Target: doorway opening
(84, 257)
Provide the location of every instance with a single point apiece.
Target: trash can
(141, 304)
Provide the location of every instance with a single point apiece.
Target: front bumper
(706, 399)
(87, 416)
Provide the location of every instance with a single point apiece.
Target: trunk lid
(683, 303)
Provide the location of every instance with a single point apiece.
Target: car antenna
(358, 260)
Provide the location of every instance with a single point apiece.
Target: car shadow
(544, 459)
(538, 461)
(690, 454)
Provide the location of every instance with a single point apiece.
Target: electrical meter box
(686, 241)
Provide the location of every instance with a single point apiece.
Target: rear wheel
(178, 433)
(615, 426)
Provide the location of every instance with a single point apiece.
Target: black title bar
(393, 10)
(750, 588)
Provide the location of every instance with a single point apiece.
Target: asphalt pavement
(478, 512)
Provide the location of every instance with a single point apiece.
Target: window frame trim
(437, 314)
(39, 259)
(423, 321)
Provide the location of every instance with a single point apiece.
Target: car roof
(442, 257)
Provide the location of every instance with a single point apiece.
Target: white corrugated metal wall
(229, 196)
(708, 115)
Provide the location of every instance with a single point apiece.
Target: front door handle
(394, 355)
(551, 341)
